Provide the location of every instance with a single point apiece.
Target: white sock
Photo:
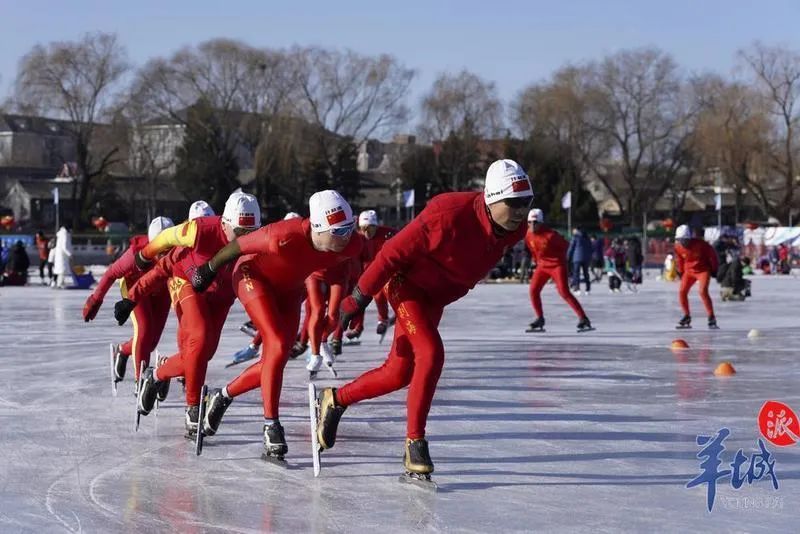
(225, 393)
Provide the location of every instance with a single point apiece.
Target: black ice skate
(329, 415)
(190, 421)
(199, 435)
(536, 326)
(148, 391)
(584, 325)
(354, 333)
(163, 385)
(336, 346)
(249, 328)
(418, 464)
(712, 323)
(297, 349)
(685, 323)
(216, 404)
(275, 447)
(313, 411)
(120, 363)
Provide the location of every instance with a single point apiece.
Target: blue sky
(510, 43)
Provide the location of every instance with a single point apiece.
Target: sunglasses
(342, 231)
(518, 203)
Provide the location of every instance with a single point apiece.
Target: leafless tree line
(634, 120)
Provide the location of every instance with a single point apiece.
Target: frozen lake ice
(529, 432)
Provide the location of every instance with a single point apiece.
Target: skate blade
(351, 343)
(112, 350)
(713, 328)
(420, 481)
(590, 329)
(139, 382)
(313, 412)
(332, 371)
(274, 460)
(679, 327)
(201, 415)
(534, 330)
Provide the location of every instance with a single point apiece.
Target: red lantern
(606, 225)
(100, 223)
(668, 224)
(7, 222)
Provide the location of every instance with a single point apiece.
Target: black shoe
(163, 389)
(538, 324)
(147, 393)
(381, 329)
(584, 324)
(329, 415)
(712, 323)
(216, 405)
(416, 457)
(354, 333)
(120, 364)
(685, 322)
(336, 347)
(297, 349)
(274, 440)
(190, 423)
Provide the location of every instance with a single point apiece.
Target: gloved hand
(122, 310)
(203, 277)
(141, 262)
(352, 305)
(91, 308)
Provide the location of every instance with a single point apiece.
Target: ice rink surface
(551, 432)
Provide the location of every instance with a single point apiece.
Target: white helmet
(291, 215)
(368, 218)
(505, 178)
(329, 210)
(682, 232)
(536, 215)
(158, 225)
(200, 209)
(242, 211)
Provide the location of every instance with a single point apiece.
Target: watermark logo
(778, 424)
(743, 469)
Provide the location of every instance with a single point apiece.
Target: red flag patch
(518, 186)
(336, 217)
(247, 220)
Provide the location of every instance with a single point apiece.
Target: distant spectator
(598, 263)
(16, 270)
(580, 256)
(41, 246)
(633, 254)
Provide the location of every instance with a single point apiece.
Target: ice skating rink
(551, 432)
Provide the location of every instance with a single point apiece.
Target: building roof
(30, 124)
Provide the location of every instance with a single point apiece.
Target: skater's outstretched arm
(155, 278)
(117, 270)
(258, 242)
(183, 235)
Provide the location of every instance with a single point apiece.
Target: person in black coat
(16, 271)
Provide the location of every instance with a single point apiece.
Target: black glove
(141, 262)
(122, 310)
(353, 305)
(203, 277)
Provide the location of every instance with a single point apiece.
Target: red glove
(91, 308)
(352, 305)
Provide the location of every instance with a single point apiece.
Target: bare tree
(349, 98)
(559, 112)
(76, 81)
(458, 112)
(640, 102)
(245, 88)
(776, 71)
(732, 134)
